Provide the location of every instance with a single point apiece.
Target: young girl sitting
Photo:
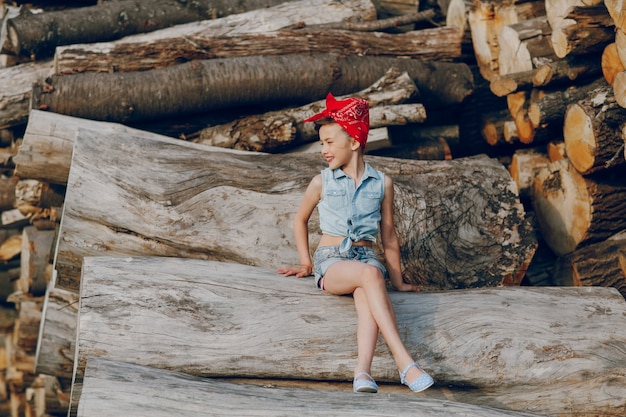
(355, 204)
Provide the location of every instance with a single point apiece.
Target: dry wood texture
(114, 388)
(230, 321)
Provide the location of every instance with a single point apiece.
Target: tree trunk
(16, 84)
(229, 83)
(218, 199)
(276, 131)
(601, 264)
(38, 34)
(592, 131)
(524, 43)
(586, 29)
(197, 40)
(437, 44)
(574, 211)
(216, 309)
(113, 388)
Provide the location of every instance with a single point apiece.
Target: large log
(224, 319)
(114, 388)
(457, 229)
(46, 150)
(218, 84)
(574, 211)
(436, 44)
(38, 34)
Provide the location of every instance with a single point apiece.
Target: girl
(355, 204)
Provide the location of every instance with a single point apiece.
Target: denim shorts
(325, 256)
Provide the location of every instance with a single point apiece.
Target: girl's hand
(404, 287)
(300, 271)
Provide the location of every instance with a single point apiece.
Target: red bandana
(352, 114)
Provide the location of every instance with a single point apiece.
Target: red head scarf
(352, 114)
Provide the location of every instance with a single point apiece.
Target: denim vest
(348, 211)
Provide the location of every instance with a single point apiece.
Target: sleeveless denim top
(346, 210)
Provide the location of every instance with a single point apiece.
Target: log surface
(114, 388)
(208, 318)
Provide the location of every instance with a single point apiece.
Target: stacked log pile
(539, 85)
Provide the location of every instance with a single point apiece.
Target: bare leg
(345, 278)
(366, 333)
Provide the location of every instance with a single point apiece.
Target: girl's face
(337, 145)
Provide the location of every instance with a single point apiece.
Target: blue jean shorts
(325, 256)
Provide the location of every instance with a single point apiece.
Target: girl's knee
(373, 275)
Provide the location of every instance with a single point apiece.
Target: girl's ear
(354, 144)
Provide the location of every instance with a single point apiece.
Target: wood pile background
(539, 86)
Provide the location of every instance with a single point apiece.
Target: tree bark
(229, 83)
(114, 388)
(16, 84)
(38, 34)
(574, 211)
(601, 264)
(216, 309)
(592, 132)
(437, 44)
(584, 30)
(548, 112)
(190, 204)
(218, 38)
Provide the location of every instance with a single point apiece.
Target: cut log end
(580, 142)
(610, 63)
(563, 207)
(619, 88)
